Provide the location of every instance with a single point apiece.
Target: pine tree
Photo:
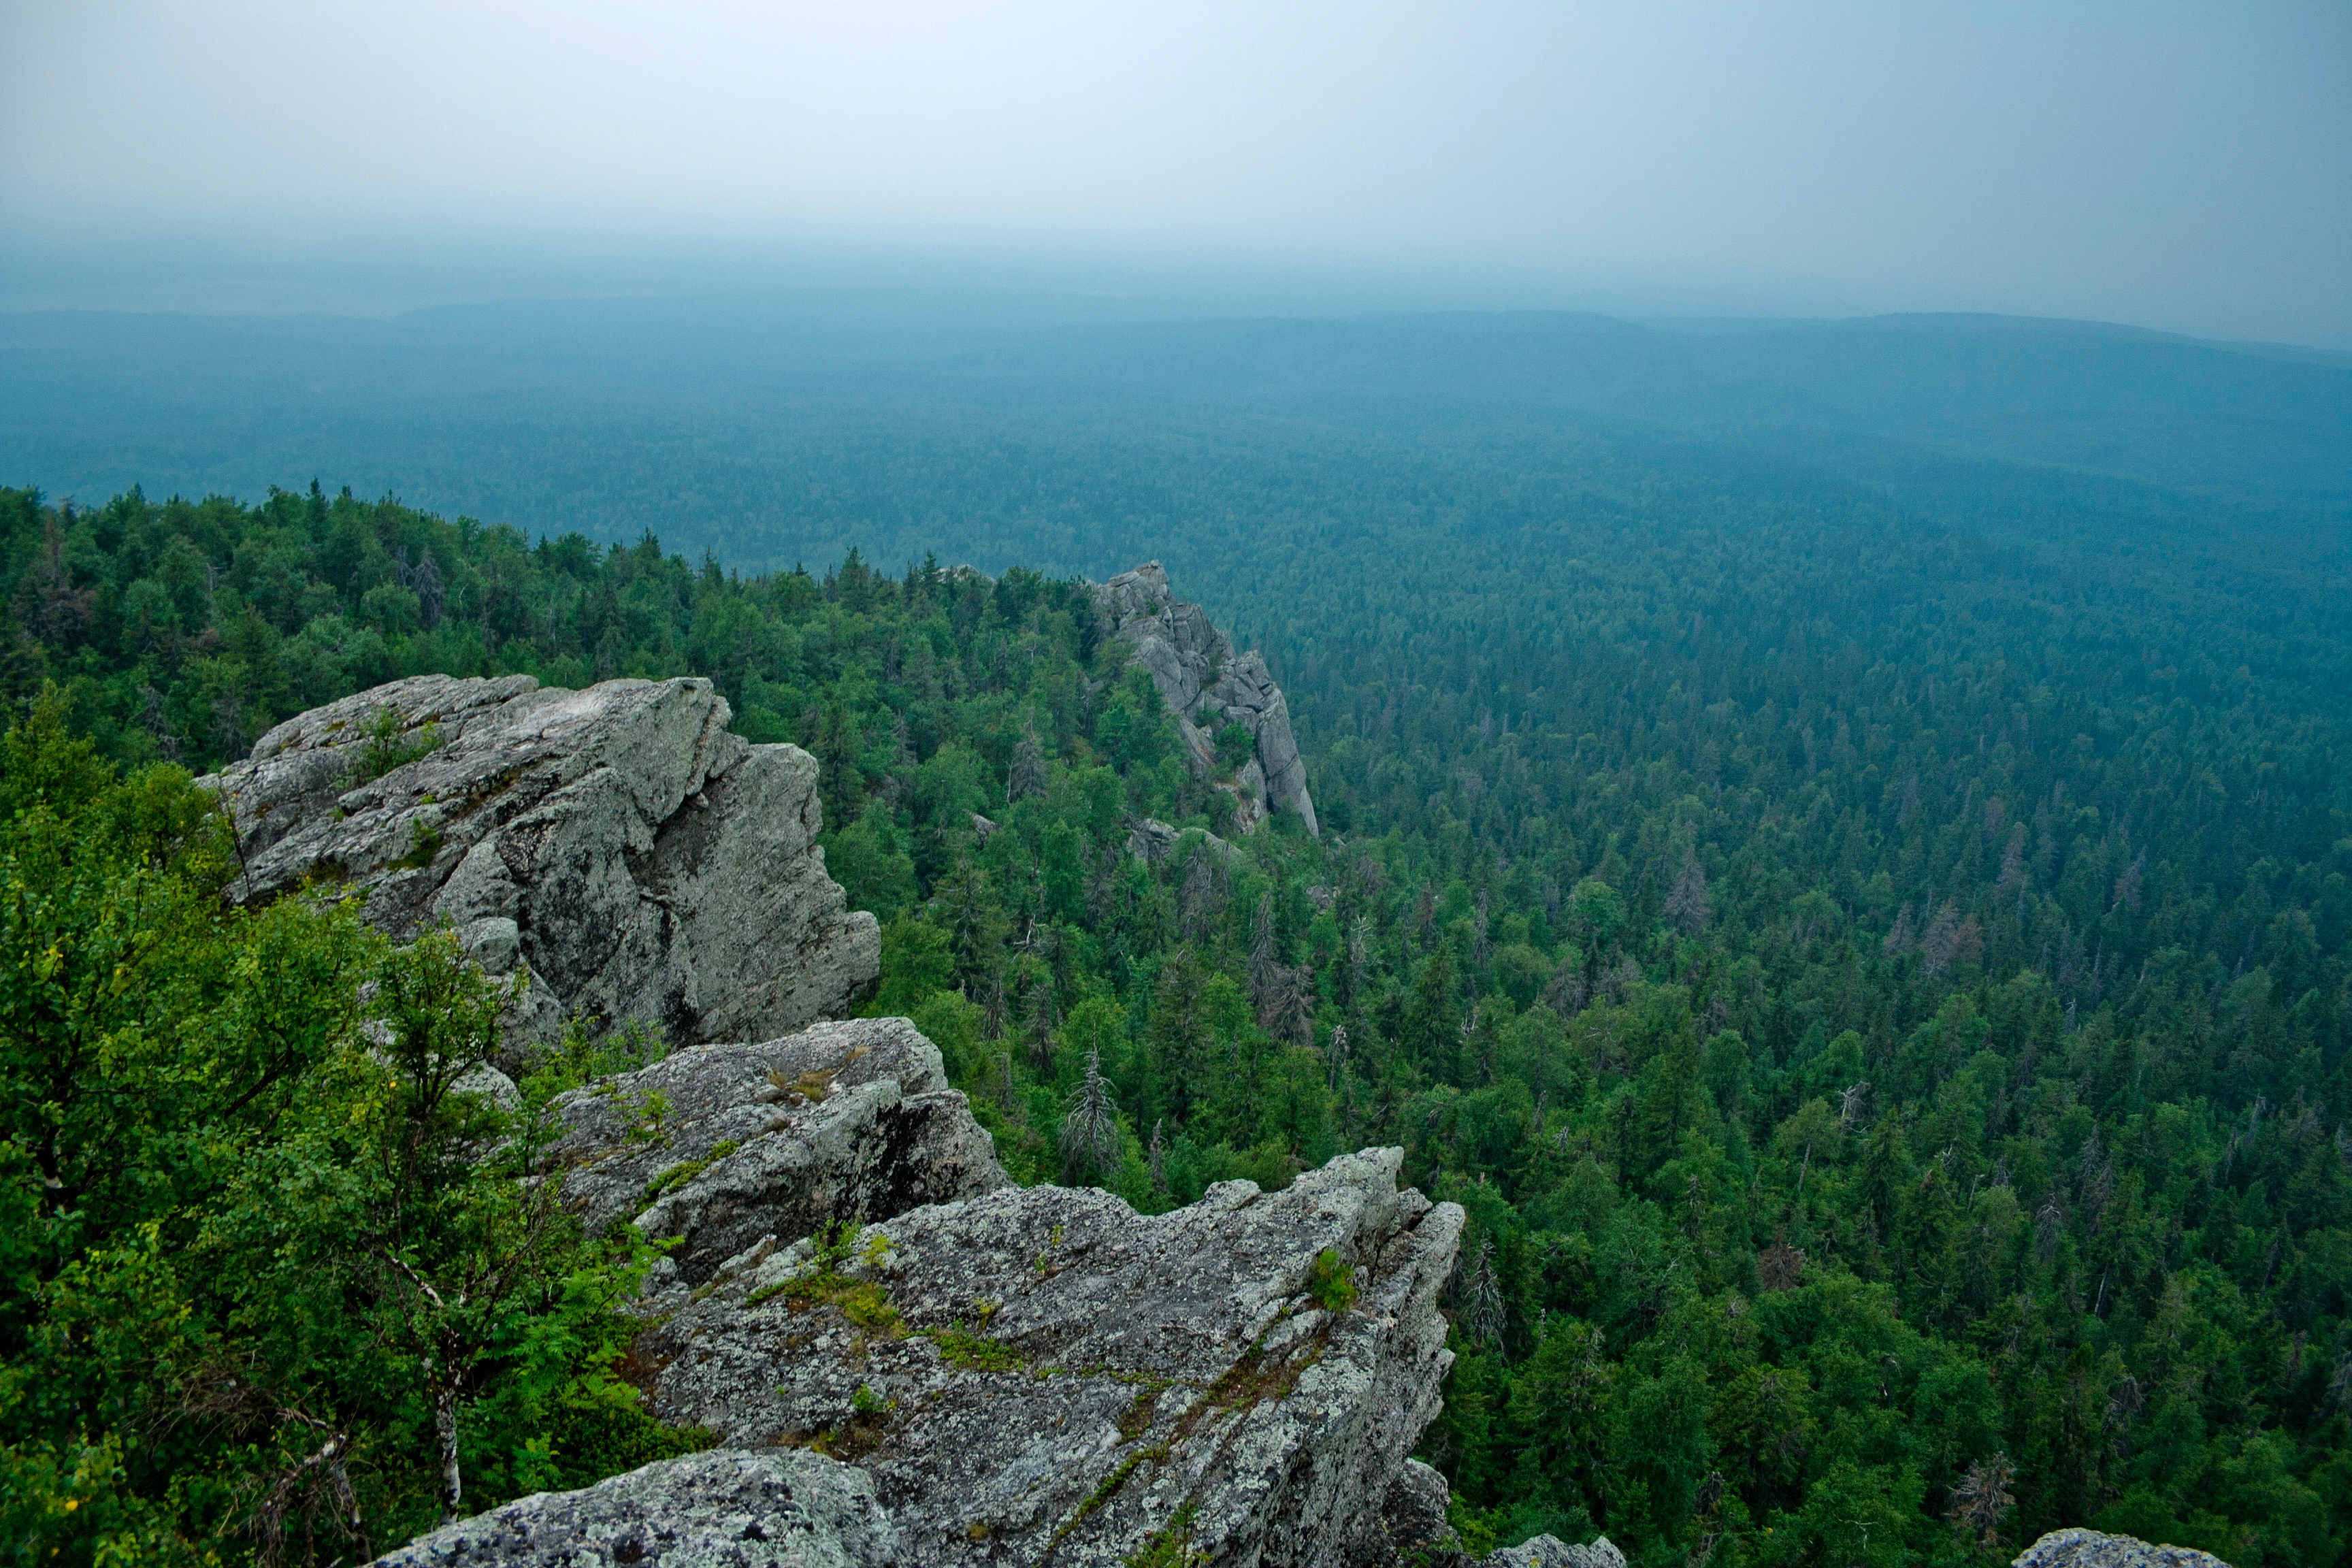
(1982, 1497)
(1026, 776)
(1090, 1130)
(1040, 1022)
(1482, 1299)
(1264, 965)
(1686, 903)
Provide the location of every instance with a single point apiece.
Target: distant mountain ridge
(2167, 410)
(765, 433)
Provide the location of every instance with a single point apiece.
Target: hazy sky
(2183, 166)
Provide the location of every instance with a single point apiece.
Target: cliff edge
(618, 844)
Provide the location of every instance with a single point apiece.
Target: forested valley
(1878, 980)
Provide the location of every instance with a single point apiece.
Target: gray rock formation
(1149, 839)
(1043, 1369)
(1207, 687)
(772, 1508)
(1550, 1552)
(2089, 1549)
(842, 1121)
(638, 860)
(1413, 1531)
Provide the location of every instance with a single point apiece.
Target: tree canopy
(1880, 993)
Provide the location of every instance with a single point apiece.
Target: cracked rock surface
(1550, 1552)
(772, 1508)
(2089, 1549)
(722, 1144)
(1043, 1374)
(619, 844)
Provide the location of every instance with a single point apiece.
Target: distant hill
(2168, 410)
(767, 431)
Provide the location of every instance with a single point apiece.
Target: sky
(2181, 166)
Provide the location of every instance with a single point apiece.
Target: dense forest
(1880, 989)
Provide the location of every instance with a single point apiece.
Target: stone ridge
(2089, 1549)
(1207, 687)
(618, 845)
(984, 1374)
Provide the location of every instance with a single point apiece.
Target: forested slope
(1876, 976)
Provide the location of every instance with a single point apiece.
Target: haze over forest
(1807, 551)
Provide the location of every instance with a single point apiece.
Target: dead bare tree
(1982, 1497)
(311, 1486)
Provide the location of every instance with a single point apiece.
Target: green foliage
(388, 747)
(864, 1302)
(1878, 985)
(1332, 1281)
(599, 1427)
(259, 1282)
(973, 1353)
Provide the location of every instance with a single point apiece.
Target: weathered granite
(1044, 1368)
(618, 844)
(2089, 1549)
(850, 1121)
(1413, 1531)
(1550, 1552)
(769, 1507)
(1206, 687)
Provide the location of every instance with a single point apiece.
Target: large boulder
(620, 845)
(1206, 687)
(722, 1145)
(772, 1508)
(1043, 1369)
(2089, 1549)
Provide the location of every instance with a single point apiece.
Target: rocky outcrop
(2089, 1549)
(1149, 839)
(722, 1145)
(1413, 1530)
(1550, 1552)
(769, 1507)
(1206, 687)
(618, 844)
(1022, 1376)
(1043, 1370)
(982, 1374)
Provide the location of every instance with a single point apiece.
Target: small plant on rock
(1331, 1281)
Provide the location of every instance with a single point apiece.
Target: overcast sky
(2180, 166)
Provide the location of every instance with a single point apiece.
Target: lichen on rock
(769, 1508)
(1043, 1370)
(2089, 1549)
(720, 1145)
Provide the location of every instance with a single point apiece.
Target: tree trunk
(445, 1423)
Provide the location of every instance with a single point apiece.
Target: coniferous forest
(1880, 993)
